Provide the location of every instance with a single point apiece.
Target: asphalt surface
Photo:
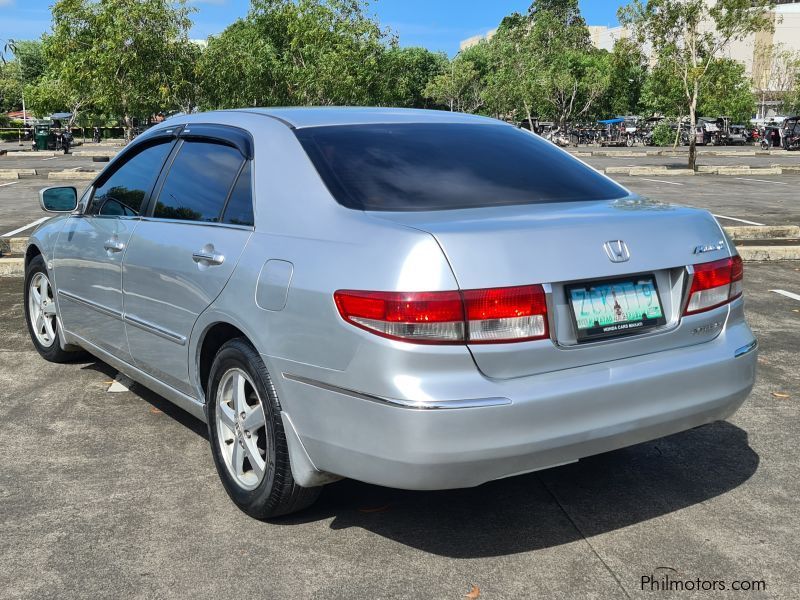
(768, 200)
(114, 495)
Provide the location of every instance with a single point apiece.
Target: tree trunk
(528, 116)
(128, 128)
(693, 129)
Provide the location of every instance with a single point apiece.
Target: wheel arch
(213, 336)
(31, 252)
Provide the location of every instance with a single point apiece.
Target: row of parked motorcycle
(632, 131)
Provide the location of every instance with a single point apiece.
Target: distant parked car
(417, 299)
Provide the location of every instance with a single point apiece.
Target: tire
(100, 159)
(262, 486)
(44, 332)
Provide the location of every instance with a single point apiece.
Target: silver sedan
(415, 299)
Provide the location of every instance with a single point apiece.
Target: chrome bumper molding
(745, 349)
(397, 403)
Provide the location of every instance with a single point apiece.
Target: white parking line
(787, 294)
(660, 181)
(51, 158)
(762, 181)
(740, 220)
(23, 228)
(9, 183)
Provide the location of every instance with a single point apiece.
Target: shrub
(663, 134)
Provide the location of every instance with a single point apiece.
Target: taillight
(499, 315)
(714, 284)
(510, 314)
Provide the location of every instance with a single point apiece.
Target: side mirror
(58, 199)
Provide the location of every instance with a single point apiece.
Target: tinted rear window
(414, 166)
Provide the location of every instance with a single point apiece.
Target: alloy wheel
(241, 428)
(42, 309)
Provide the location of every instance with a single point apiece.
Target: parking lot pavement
(115, 495)
(756, 200)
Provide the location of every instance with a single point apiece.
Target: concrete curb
(109, 153)
(769, 253)
(9, 173)
(12, 267)
(763, 232)
(72, 174)
(787, 168)
(656, 170)
(739, 170)
(23, 153)
(701, 170)
(681, 153)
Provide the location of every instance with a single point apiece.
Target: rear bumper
(548, 420)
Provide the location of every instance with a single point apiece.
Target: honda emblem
(617, 251)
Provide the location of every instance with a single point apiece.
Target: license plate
(610, 308)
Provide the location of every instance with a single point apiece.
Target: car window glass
(240, 206)
(123, 194)
(198, 182)
(439, 166)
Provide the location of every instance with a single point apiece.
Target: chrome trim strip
(746, 349)
(155, 329)
(687, 287)
(109, 312)
(396, 403)
(198, 223)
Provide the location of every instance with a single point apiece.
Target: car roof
(320, 116)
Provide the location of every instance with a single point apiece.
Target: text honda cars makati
(416, 299)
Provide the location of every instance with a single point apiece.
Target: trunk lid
(559, 244)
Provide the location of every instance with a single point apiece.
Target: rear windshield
(415, 166)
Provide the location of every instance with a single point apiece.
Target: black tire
(100, 159)
(53, 352)
(277, 494)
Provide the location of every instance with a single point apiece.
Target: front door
(179, 259)
(90, 249)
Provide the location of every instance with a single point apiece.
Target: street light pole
(24, 118)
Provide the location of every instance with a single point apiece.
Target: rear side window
(124, 192)
(239, 210)
(415, 166)
(198, 182)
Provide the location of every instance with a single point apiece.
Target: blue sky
(435, 24)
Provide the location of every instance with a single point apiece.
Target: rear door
(184, 251)
(88, 256)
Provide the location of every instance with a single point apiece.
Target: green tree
(240, 68)
(32, 61)
(307, 52)
(10, 86)
(460, 86)
(627, 75)
(726, 91)
(117, 55)
(544, 64)
(407, 72)
(186, 90)
(692, 34)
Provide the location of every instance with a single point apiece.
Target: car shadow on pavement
(599, 494)
(156, 402)
(548, 508)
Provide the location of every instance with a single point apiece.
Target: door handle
(114, 246)
(210, 258)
